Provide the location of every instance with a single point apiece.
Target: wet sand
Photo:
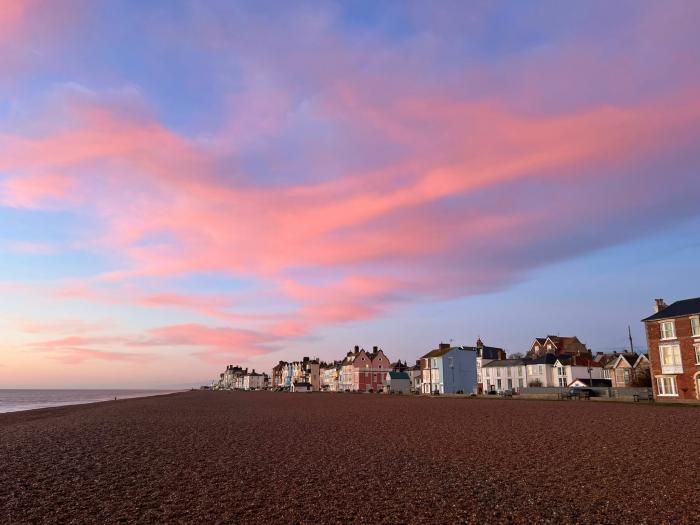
(251, 457)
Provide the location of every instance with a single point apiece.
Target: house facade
(485, 354)
(504, 374)
(449, 370)
(330, 376)
(397, 383)
(628, 370)
(557, 345)
(673, 340)
(369, 370)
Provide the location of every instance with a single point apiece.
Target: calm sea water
(15, 400)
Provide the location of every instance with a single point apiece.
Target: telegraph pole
(629, 332)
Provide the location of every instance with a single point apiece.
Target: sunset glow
(191, 184)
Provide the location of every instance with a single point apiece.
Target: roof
(545, 359)
(677, 309)
(601, 383)
(398, 375)
(438, 352)
(505, 362)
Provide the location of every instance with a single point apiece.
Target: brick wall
(685, 382)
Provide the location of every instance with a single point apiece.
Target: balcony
(671, 369)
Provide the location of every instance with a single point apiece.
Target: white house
(504, 374)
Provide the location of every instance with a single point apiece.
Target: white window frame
(697, 353)
(676, 355)
(661, 386)
(695, 326)
(664, 333)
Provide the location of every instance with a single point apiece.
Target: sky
(186, 185)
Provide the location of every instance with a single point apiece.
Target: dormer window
(668, 330)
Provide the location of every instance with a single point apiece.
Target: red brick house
(554, 344)
(673, 338)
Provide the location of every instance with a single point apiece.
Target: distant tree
(516, 355)
(536, 383)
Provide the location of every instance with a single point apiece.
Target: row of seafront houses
(671, 368)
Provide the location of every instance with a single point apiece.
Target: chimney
(444, 346)
(357, 348)
(375, 349)
(660, 305)
(479, 343)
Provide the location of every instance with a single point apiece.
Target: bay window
(671, 359)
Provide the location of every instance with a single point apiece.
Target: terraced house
(449, 370)
(673, 338)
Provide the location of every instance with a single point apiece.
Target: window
(695, 325)
(529, 369)
(668, 330)
(549, 347)
(508, 371)
(606, 373)
(666, 385)
(697, 354)
(498, 384)
(540, 369)
(487, 372)
(670, 354)
(510, 384)
(521, 382)
(561, 370)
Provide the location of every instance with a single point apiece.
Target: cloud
(347, 181)
(74, 350)
(212, 344)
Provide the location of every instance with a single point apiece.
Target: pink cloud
(212, 344)
(34, 191)
(409, 225)
(76, 349)
(74, 326)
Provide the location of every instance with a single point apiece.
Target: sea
(26, 399)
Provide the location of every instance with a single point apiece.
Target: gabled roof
(677, 309)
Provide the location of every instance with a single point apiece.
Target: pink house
(369, 370)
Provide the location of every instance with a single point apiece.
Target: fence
(614, 393)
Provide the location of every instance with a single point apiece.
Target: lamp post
(590, 375)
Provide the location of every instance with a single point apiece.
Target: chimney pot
(660, 305)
